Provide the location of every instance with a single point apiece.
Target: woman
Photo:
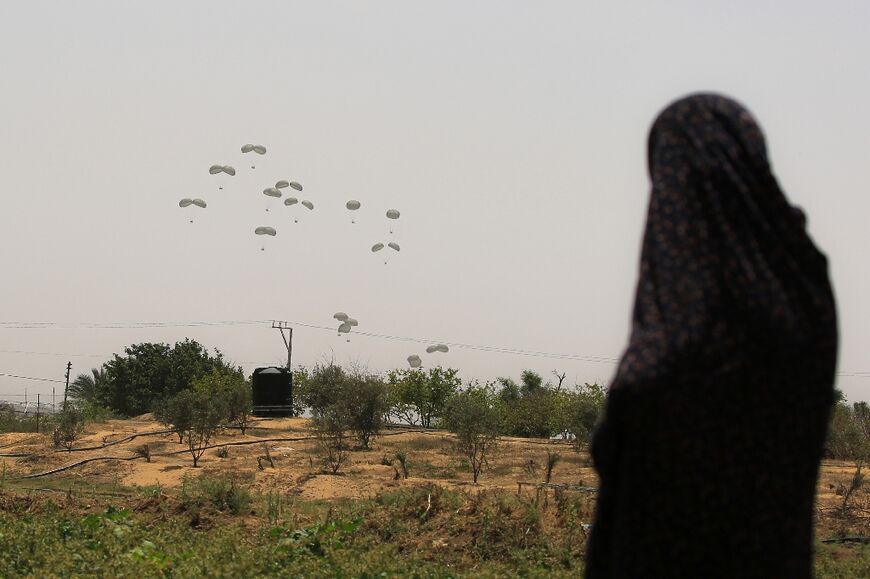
(709, 448)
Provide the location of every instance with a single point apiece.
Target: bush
(231, 393)
(331, 430)
(365, 399)
(69, 424)
(473, 416)
(421, 395)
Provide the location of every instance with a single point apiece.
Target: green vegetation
(214, 528)
(473, 416)
(420, 396)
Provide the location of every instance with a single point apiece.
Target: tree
(331, 427)
(69, 426)
(531, 383)
(423, 392)
(177, 413)
(473, 416)
(203, 415)
(366, 400)
(324, 387)
(231, 392)
(152, 371)
(86, 388)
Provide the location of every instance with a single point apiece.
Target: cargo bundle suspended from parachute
(347, 323)
(392, 214)
(218, 169)
(259, 149)
(265, 230)
(187, 202)
(271, 192)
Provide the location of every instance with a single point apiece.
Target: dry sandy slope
(297, 467)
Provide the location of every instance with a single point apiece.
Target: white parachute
(394, 245)
(377, 247)
(414, 361)
(308, 204)
(353, 205)
(340, 316)
(437, 348)
(291, 201)
(259, 149)
(266, 231)
(282, 184)
(272, 192)
(295, 185)
(393, 214)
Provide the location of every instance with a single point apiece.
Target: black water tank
(272, 392)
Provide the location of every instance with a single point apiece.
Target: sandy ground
(297, 465)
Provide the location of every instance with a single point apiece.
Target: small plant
(69, 426)
(386, 460)
(552, 460)
(530, 467)
(332, 439)
(273, 507)
(143, 451)
(265, 458)
(403, 464)
(223, 452)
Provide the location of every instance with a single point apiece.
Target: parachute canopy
(437, 348)
(394, 245)
(414, 361)
(291, 201)
(352, 322)
(185, 202)
(272, 192)
(308, 204)
(282, 184)
(340, 316)
(353, 205)
(393, 214)
(377, 247)
(259, 149)
(199, 202)
(344, 328)
(215, 169)
(266, 231)
(296, 185)
(247, 148)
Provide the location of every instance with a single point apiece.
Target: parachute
(229, 170)
(353, 205)
(272, 192)
(259, 149)
(291, 201)
(377, 247)
(393, 214)
(394, 245)
(282, 184)
(308, 204)
(266, 231)
(414, 361)
(185, 202)
(344, 328)
(215, 169)
(296, 185)
(437, 348)
(352, 322)
(340, 316)
(199, 203)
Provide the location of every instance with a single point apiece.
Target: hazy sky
(511, 136)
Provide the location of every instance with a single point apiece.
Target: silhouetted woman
(709, 448)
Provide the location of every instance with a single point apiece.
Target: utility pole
(66, 388)
(288, 340)
(37, 413)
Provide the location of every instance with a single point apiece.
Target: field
(240, 514)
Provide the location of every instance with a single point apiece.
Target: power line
(31, 378)
(418, 340)
(27, 352)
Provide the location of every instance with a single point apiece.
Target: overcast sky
(511, 136)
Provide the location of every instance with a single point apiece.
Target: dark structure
(272, 391)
